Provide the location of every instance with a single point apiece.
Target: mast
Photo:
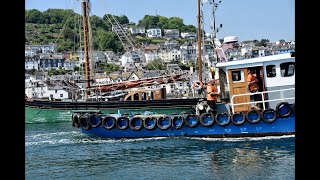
(85, 39)
(199, 45)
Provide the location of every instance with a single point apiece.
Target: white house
(31, 63)
(137, 30)
(57, 92)
(188, 35)
(36, 89)
(150, 56)
(154, 32)
(129, 57)
(171, 33)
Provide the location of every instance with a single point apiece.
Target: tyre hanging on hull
(164, 123)
(222, 119)
(75, 120)
(84, 122)
(293, 107)
(122, 122)
(238, 118)
(191, 120)
(269, 115)
(207, 119)
(109, 122)
(283, 109)
(177, 122)
(253, 116)
(94, 120)
(136, 123)
(150, 123)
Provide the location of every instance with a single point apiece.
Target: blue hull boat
(281, 126)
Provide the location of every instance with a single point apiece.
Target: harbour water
(60, 151)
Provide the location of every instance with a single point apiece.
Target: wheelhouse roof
(254, 61)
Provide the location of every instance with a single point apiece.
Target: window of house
(287, 69)
(61, 95)
(172, 86)
(237, 76)
(271, 71)
(56, 91)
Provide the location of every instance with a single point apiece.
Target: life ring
(83, 121)
(75, 120)
(222, 119)
(206, 119)
(109, 122)
(122, 122)
(253, 116)
(94, 120)
(191, 120)
(238, 118)
(164, 123)
(197, 85)
(269, 115)
(283, 109)
(177, 122)
(150, 123)
(136, 123)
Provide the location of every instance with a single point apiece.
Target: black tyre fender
(253, 112)
(83, 121)
(293, 107)
(203, 116)
(91, 120)
(75, 120)
(280, 105)
(104, 122)
(122, 118)
(218, 115)
(147, 119)
(161, 119)
(265, 118)
(242, 115)
(175, 118)
(131, 123)
(187, 117)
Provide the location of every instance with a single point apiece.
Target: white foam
(229, 139)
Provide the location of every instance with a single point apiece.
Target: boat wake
(240, 139)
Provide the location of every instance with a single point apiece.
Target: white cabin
(276, 74)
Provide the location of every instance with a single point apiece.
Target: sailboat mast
(199, 44)
(85, 39)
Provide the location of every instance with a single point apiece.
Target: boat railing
(263, 101)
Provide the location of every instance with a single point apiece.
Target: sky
(246, 19)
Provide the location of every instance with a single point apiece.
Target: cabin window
(287, 69)
(237, 76)
(271, 71)
(61, 95)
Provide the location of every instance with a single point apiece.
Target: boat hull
(281, 126)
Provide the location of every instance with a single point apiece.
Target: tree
(155, 65)
(33, 16)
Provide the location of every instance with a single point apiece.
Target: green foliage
(263, 42)
(166, 23)
(155, 65)
(108, 68)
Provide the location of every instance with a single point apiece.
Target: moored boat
(237, 115)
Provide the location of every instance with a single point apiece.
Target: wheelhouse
(276, 75)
